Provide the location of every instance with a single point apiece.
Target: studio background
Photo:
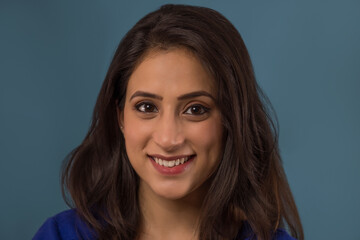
(306, 55)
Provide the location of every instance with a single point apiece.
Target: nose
(168, 133)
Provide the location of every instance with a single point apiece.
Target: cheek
(206, 136)
(136, 132)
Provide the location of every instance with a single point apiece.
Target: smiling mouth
(171, 163)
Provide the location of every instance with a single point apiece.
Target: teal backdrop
(306, 55)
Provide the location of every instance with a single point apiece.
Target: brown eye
(146, 107)
(196, 110)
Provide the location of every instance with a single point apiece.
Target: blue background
(306, 54)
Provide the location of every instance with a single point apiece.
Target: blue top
(67, 225)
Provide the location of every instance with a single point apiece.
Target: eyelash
(144, 106)
(202, 109)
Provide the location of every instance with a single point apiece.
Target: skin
(169, 125)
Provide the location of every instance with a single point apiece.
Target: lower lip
(173, 170)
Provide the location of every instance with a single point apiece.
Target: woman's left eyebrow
(196, 94)
(182, 97)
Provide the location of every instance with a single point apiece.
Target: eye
(196, 110)
(146, 107)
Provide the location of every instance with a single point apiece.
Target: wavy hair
(249, 184)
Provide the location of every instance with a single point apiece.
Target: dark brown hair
(249, 183)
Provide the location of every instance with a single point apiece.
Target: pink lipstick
(171, 165)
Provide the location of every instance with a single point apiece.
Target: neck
(164, 218)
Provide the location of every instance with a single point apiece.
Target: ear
(120, 118)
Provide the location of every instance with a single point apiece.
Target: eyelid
(204, 109)
(141, 103)
(142, 108)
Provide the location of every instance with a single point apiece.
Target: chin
(172, 192)
(173, 196)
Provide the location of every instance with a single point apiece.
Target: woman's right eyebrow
(145, 94)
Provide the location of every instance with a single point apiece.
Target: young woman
(181, 145)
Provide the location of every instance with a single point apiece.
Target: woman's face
(171, 124)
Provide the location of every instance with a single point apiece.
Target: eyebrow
(182, 97)
(145, 94)
(195, 94)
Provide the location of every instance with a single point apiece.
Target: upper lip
(169, 158)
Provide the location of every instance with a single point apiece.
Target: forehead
(176, 70)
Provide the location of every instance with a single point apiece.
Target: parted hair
(249, 183)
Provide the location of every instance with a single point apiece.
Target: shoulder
(247, 233)
(281, 234)
(65, 225)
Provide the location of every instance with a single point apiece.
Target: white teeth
(172, 163)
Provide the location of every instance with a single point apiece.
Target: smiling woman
(171, 124)
(180, 145)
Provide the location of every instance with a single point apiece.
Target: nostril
(168, 138)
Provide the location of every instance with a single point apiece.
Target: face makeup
(171, 123)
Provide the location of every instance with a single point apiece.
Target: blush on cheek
(207, 133)
(135, 133)
(134, 127)
(206, 138)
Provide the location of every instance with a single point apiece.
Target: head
(246, 172)
(216, 44)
